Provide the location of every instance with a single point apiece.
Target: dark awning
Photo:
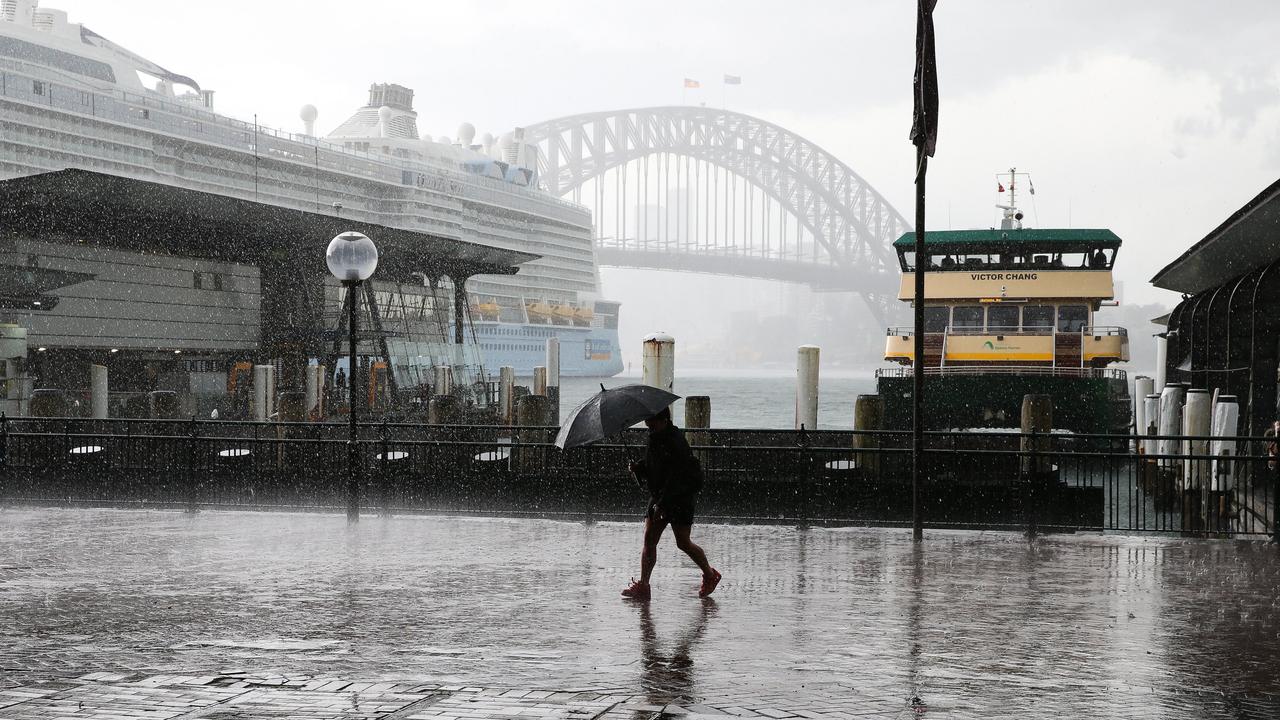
(1247, 240)
(123, 213)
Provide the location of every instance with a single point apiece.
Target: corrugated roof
(1086, 238)
(1245, 241)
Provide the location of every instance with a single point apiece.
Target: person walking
(672, 476)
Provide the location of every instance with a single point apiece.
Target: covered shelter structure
(168, 271)
(1225, 333)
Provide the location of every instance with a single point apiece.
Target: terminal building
(1225, 334)
(174, 289)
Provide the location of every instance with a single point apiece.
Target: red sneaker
(709, 583)
(637, 590)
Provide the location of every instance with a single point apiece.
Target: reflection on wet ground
(807, 621)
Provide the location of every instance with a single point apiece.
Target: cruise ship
(70, 98)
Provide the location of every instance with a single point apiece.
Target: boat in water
(1008, 312)
(71, 98)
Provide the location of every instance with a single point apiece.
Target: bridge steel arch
(851, 222)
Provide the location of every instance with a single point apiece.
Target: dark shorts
(678, 512)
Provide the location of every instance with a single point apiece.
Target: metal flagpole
(924, 134)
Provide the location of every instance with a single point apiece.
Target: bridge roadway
(739, 262)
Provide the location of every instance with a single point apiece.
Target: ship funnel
(308, 114)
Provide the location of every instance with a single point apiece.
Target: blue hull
(584, 352)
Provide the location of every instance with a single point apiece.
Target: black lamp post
(352, 258)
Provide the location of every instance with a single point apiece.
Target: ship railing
(1036, 370)
(1104, 330)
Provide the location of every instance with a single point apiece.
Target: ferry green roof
(1072, 240)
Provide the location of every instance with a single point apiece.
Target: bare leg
(653, 528)
(691, 548)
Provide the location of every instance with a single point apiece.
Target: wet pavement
(159, 614)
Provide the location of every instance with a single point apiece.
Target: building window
(37, 87)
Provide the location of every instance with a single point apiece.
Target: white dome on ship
(444, 140)
(308, 113)
(466, 133)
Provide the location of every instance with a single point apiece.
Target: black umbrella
(609, 412)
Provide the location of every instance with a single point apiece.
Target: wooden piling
(532, 412)
(868, 415)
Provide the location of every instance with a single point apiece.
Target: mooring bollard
(314, 405)
(553, 377)
(1142, 387)
(1169, 446)
(868, 416)
(697, 419)
(1197, 421)
(531, 417)
(1148, 469)
(442, 410)
(658, 357)
(98, 391)
(807, 360)
(1036, 462)
(1226, 425)
(506, 393)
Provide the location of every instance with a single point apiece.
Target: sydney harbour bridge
(699, 189)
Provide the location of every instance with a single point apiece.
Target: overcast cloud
(1156, 119)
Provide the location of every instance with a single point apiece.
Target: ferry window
(37, 87)
(935, 319)
(1072, 318)
(1002, 318)
(908, 260)
(196, 281)
(1037, 317)
(967, 316)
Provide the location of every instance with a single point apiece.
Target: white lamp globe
(351, 256)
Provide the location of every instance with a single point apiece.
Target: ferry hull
(1080, 404)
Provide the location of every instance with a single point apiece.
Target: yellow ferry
(1010, 311)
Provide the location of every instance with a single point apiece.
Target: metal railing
(995, 479)
(1038, 370)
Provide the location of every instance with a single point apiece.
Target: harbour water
(755, 398)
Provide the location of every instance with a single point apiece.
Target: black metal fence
(1056, 482)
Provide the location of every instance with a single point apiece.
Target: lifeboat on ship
(540, 312)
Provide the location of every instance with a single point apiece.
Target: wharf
(162, 614)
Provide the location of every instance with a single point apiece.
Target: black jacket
(668, 471)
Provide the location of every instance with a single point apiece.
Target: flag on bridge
(692, 83)
(732, 79)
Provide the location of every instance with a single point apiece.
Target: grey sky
(1153, 118)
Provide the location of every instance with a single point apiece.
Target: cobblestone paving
(155, 614)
